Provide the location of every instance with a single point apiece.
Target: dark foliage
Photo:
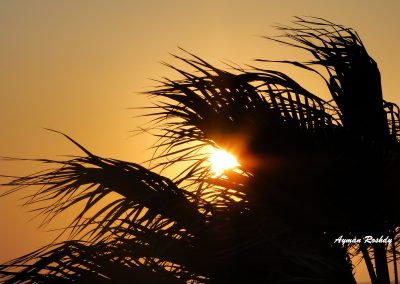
(310, 171)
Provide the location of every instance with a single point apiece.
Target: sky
(79, 66)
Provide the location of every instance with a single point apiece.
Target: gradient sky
(77, 66)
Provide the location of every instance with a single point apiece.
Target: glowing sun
(221, 160)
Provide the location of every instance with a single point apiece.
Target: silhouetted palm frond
(75, 261)
(308, 169)
(353, 76)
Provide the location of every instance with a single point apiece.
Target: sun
(221, 160)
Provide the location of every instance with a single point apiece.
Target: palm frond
(107, 189)
(353, 76)
(306, 165)
(75, 261)
(247, 113)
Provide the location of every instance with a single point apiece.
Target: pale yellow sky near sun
(76, 66)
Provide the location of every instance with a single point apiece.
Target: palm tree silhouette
(310, 171)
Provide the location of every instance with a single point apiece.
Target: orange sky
(76, 66)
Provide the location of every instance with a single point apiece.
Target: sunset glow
(81, 67)
(221, 160)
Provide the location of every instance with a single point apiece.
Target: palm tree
(310, 171)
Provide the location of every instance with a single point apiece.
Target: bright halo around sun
(221, 160)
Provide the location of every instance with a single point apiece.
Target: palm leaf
(267, 220)
(353, 76)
